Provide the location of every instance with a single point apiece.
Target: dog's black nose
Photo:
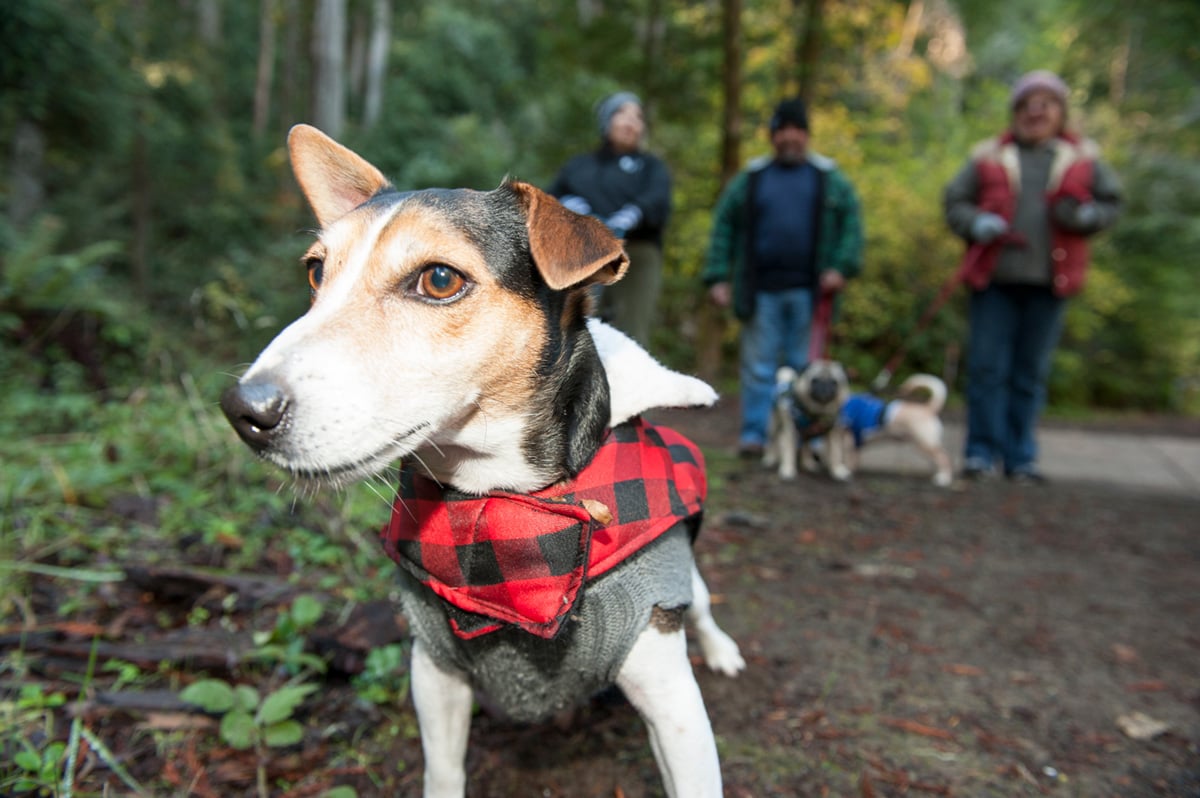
(824, 390)
(255, 410)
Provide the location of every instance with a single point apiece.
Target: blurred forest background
(151, 216)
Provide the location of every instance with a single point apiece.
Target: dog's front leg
(443, 700)
(657, 679)
(788, 442)
(839, 440)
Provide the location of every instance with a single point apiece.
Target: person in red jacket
(1026, 203)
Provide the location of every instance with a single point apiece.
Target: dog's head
(446, 325)
(821, 388)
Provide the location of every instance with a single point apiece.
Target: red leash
(818, 340)
(973, 254)
(885, 375)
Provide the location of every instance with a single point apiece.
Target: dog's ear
(334, 180)
(569, 250)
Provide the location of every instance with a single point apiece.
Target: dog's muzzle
(823, 389)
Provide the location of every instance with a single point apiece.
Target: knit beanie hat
(610, 105)
(1039, 79)
(790, 112)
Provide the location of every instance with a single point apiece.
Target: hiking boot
(1027, 475)
(976, 469)
(750, 451)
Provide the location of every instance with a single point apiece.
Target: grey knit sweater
(529, 678)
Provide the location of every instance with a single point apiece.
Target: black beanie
(790, 112)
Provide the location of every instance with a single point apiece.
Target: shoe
(976, 468)
(750, 451)
(1027, 475)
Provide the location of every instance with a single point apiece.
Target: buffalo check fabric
(524, 559)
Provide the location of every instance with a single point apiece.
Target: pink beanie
(1033, 81)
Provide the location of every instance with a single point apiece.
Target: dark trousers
(1014, 331)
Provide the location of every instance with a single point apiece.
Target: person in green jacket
(785, 231)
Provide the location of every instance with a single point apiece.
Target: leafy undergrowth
(176, 621)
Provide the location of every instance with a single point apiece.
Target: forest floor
(988, 639)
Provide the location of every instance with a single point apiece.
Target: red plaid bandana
(506, 558)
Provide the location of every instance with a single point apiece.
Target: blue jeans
(776, 335)
(1014, 330)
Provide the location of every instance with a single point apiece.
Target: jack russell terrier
(543, 529)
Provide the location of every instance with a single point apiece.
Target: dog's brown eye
(440, 282)
(316, 272)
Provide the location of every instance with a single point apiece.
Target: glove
(576, 203)
(1087, 216)
(986, 227)
(624, 220)
(1076, 216)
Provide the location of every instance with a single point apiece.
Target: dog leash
(818, 340)
(973, 255)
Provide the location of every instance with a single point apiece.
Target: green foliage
(37, 770)
(35, 276)
(60, 72)
(284, 644)
(384, 679)
(34, 768)
(249, 720)
(477, 90)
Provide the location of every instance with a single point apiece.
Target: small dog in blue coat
(849, 421)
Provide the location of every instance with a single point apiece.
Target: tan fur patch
(489, 330)
(667, 621)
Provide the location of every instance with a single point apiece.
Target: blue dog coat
(864, 414)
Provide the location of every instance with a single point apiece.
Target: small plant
(284, 645)
(37, 771)
(248, 719)
(384, 678)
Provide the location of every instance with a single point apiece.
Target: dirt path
(988, 640)
(985, 640)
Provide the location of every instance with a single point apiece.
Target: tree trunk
(142, 209)
(731, 82)
(208, 22)
(808, 51)
(28, 188)
(377, 56)
(356, 57)
(653, 33)
(912, 26)
(266, 66)
(713, 319)
(291, 97)
(329, 57)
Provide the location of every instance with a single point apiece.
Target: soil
(988, 639)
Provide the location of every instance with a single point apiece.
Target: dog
(805, 410)
(849, 421)
(449, 329)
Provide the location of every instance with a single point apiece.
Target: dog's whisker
(380, 487)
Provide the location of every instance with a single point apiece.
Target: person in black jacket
(629, 190)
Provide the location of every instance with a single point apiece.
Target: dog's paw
(721, 653)
(786, 473)
(943, 479)
(840, 472)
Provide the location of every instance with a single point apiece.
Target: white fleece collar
(637, 382)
